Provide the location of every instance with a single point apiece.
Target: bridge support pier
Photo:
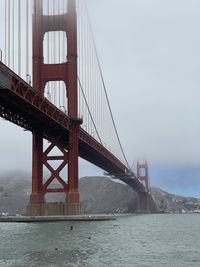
(55, 209)
(143, 202)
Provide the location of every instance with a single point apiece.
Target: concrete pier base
(143, 204)
(143, 211)
(37, 219)
(55, 209)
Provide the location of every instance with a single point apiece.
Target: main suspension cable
(89, 110)
(104, 86)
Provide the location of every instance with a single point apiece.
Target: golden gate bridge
(51, 84)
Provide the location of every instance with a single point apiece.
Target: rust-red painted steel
(55, 173)
(22, 105)
(72, 95)
(37, 175)
(67, 72)
(143, 201)
(143, 173)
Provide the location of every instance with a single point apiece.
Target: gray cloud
(150, 58)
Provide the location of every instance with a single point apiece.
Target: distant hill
(14, 192)
(167, 202)
(98, 194)
(102, 195)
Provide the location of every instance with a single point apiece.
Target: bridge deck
(22, 105)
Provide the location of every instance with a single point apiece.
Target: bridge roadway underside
(23, 106)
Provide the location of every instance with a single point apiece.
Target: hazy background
(150, 58)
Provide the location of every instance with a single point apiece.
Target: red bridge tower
(43, 73)
(143, 200)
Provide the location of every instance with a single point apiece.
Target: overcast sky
(150, 58)
(149, 52)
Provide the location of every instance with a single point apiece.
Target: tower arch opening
(55, 92)
(55, 47)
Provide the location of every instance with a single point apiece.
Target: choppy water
(142, 240)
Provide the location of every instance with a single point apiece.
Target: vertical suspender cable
(89, 75)
(80, 59)
(92, 85)
(87, 67)
(19, 37)
(53, 55)
(48, 52)
(13, 34)
(9, 33)
(96, 96)
(85, 70)
(27, 41)
(105, 91)
(81, 55)
(51, 61)
(78, 29)
(64, 96)
(62, 60)
(59, 43)
(6, 22)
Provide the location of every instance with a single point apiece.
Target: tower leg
(73, 194)
(73, 205)
(37, 196)
(143, 204)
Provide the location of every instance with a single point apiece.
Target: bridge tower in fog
(143, 198)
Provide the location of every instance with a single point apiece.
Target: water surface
(138, 240)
